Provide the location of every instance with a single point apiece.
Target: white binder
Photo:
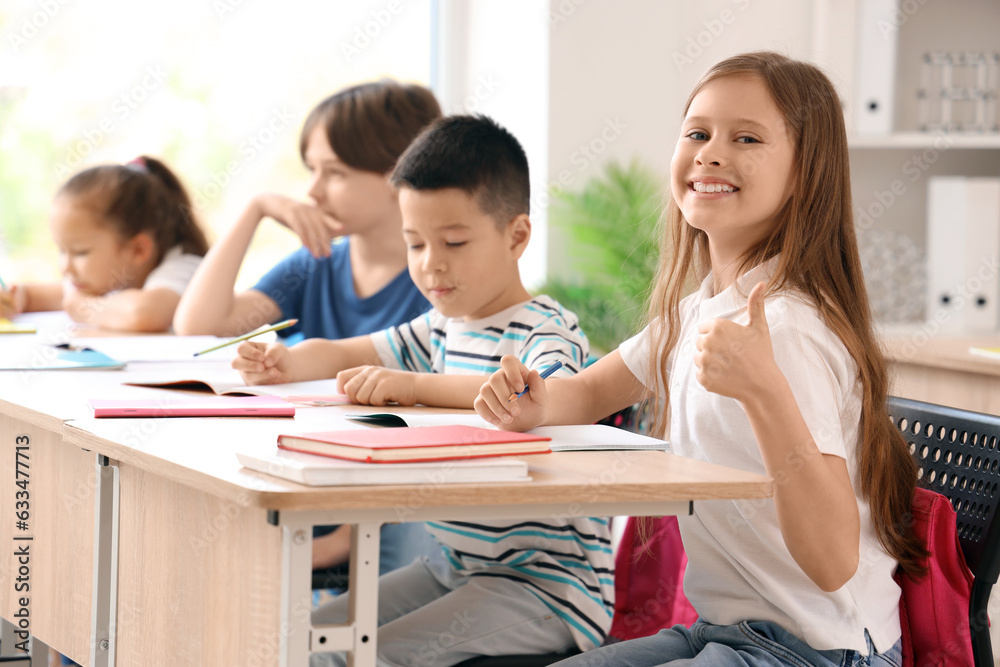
(963, 249)
(876, 66)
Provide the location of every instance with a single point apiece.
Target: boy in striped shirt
(504, 587)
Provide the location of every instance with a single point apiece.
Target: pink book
(415, 443)
(194, 406)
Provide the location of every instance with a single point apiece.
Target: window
(217, 88)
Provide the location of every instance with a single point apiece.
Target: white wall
(620, 73)
(493, 59)
(584, 82)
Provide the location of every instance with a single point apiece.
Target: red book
(416, 443)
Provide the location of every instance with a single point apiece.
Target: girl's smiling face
(733, 167)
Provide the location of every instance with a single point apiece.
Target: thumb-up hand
(734, 359)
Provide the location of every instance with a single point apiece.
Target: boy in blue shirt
(524, 587)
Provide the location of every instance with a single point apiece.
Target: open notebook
(314, 392)
(564, 438)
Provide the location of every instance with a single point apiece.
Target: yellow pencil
(256, 332)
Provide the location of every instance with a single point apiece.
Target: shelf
(938, 140)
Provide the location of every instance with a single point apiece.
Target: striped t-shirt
(565, 561)
(538, 332)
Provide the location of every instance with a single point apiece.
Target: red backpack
(934, 609)
(649, 578)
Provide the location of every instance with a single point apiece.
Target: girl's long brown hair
(815, 239)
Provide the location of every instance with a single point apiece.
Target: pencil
(3, 285)
(547, 372)
(256, 332)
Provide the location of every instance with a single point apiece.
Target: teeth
(712, 187)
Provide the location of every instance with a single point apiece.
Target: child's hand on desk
(80, 305)
(376, 385)
(13, 302)
(737, 360)
(495, 403)
(262, 363)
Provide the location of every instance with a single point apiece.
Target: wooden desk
(208, 573)
(941, 370)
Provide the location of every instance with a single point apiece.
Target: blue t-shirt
(320, 293)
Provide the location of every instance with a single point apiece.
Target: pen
(547, 372)
(3, 285)
(255, 332)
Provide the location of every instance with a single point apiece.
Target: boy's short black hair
(473, 154)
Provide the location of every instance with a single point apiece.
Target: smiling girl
(770, 366)
(128, 246)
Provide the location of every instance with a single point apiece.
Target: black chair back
(958, 453)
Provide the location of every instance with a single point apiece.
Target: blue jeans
(749, 644)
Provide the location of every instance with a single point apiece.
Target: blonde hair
(818, 256)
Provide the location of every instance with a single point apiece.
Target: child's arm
(375, 385)
(313, 359)
(332, 549)
(596, 392)
(140, 310)
(816, 506)
(30, 297)
(210, 306)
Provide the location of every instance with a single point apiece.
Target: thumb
(755, 307)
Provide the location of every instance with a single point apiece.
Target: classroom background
(220, 88)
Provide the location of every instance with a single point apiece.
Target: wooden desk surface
(941, 370)
(944, 352)
(196, 554)
(201, 453)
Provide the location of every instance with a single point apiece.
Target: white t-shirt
(739, 568)
(174, 271)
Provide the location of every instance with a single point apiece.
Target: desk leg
(105, 601)
(364, 593)
(299, 638)
(296, 588)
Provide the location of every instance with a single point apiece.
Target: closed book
(419, 443)
(325, 471)
(194, 406)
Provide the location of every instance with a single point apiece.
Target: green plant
(612, 231)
